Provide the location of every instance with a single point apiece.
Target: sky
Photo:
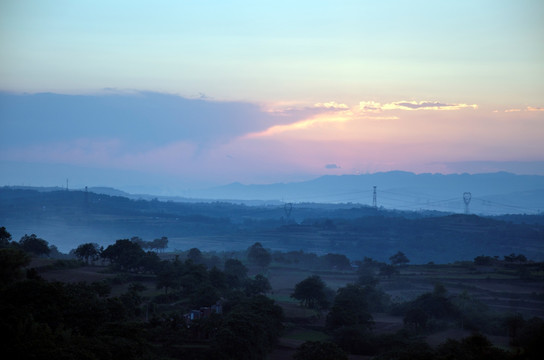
(174, 95)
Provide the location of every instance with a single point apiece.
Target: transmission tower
(287, 208)
(374, 199)
(466, 198)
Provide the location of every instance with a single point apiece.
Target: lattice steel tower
(374, 199)
(466, 198)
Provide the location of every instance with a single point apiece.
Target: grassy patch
(307, 335)
(283, 299)
(64, 264)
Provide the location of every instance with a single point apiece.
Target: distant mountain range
(491, 194)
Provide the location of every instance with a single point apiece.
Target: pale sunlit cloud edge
(527, 109)
(373, 106)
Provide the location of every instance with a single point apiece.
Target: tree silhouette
(87, 251)
(311, 292)
(195, 255)
(5, 237)
(350, 308)
(34, 244)
(235, 272)
(259, 285)
(125, 254)
(11, 263)
(399, 259)
(258, 255)
(159, 244)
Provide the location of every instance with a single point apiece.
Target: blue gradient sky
(324, 81)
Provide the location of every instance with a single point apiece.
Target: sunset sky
(171, 95)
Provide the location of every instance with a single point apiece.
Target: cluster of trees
(403, 346)
(328, 261)
(159, 244)
(495, 260)
(126, 254)
(349, 322)
(369, 267)
(258, 255)
(28, 243)
(95, 323)
(312, 293)
(199, 286)
(514, 264)
(42, 319)
(433, 306)
(197, 278)
(399, 259)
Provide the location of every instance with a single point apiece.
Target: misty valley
(87, 275)
(272, 180)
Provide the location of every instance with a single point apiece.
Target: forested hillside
(69, 217)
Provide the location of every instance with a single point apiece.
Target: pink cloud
(372, 106)
(297, 141)
(331, 105)
(527, 109)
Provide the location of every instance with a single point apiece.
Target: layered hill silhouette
(491, 194)
(68, 218)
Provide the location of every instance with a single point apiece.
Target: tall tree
(195, 255)
(125, 254)
(259, 285)
(258, 255)
(388, 270)
(235, 272)
(249, 330)
(167, 278)
(87, 251)
(34, 244)
(5, 237)
(11, 263)
(160, 244)
(138, 240)
(350, 308)
(312, 293)
(399, 259)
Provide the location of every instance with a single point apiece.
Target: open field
(499, 288)
(502, 292)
